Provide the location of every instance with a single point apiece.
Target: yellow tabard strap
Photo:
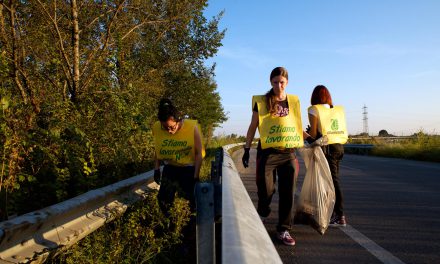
(279, 132)
(178, 148)
(333, 124)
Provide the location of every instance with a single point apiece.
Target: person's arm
(157, 175)
(198, 153)
(313, 120)
(305, 135)
(156, 162)
(251, 130)
(249, 137)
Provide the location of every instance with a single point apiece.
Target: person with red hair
(318, 113)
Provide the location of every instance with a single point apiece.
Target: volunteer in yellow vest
(178, 145)
(278, 118)
(328, 120)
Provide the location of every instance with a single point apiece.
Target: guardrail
(32, 237)
(209, 210)
(244, 237)
(228, 214)
(391, 138)
(361, 149)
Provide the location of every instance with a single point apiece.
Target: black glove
(245, 158)
(157, 176)
(310, 140)
(308, 129)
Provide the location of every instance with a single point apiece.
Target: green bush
(143, 234)
(420, 147)
(408, 151)
(137, 237)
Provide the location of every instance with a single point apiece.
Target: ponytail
(271, 102)
(167, 110)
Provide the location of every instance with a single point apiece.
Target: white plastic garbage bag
(317, 197)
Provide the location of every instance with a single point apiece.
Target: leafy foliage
(420, 146)
(79, 85)
(383, 133)
(136, 237)
(143, 234)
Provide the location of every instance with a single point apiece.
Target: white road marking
(378, 251)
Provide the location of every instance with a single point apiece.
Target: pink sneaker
(285, 237)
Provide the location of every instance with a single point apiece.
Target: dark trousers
(286, 167)
(178, 180)
(334, 154)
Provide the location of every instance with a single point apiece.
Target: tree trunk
(75, 44)
(209, 134)
(15, 50)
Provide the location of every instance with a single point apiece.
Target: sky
(382, 54)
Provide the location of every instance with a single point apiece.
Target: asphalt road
(392, 208)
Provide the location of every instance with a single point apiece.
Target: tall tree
(79, 85)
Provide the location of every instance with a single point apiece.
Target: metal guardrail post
(209, 209)
(361, 149)
(216, 178)
(205, 223)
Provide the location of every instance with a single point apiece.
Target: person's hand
(308, 129)
(157, 176)
(310, 140)
(245, 158)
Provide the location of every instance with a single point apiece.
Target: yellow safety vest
(178, 148)
(279, 132)
(333, 124)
